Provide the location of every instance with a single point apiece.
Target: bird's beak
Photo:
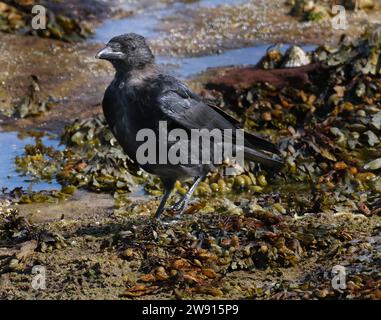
(108, 53)
(104, 53)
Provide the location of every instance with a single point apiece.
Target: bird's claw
(179, 207)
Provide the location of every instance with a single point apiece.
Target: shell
(295, 57)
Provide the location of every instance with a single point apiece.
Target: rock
(241, 78)
(128, 253)
(21, 252)
(3, 7)
(14, 264)
(211, 274)
(295, 57)
(321, 293)
(7, 252)
(27, 249)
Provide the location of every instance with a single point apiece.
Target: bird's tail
(263, 158)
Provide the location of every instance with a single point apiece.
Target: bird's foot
(180, 206)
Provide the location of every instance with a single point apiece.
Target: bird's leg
(180, 206)
(168, 187)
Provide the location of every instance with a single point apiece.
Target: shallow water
(143, 23)
(146, 21)
(13, 145)
(146, 24)
(190, 66)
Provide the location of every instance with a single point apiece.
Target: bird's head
(128, 51)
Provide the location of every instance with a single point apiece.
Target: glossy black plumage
(140, 96)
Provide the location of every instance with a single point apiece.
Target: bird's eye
(114, 46)
(133, 47)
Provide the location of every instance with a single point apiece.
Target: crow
(141, 95)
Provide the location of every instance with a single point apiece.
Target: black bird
(141, 95)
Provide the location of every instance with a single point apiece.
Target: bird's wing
(252, 139)
(187, 109)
